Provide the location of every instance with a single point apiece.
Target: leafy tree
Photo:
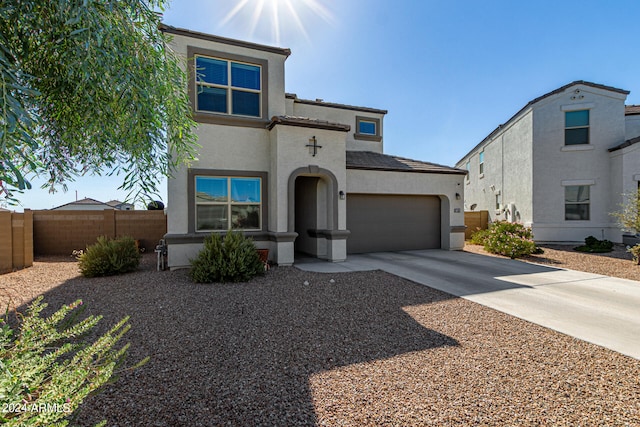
(89, 87)
(628, 216)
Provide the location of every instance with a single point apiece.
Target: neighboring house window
(224, 203)
(227, 87)
(576, 202)
(367, 128)
(481, 162)
(498, 201)
(576, 125)
(468, 169)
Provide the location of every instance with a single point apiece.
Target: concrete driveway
(599, 309)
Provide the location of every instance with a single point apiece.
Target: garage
(381, 222)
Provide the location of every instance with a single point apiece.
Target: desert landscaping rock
(368, 348)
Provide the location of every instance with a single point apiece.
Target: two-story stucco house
(560, 165)
(295, 174)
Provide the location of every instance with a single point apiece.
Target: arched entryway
(313, 214)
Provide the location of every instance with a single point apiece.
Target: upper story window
(576, 202)
(224, 203)
(481, 170)
(576, 127)
(228, 87)
(367, 128)
(468, 169)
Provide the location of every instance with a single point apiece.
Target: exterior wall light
(457, 196)
(342, 195)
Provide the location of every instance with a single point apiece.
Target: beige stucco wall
(556, 165)
(276, 99)
(289, 153)
(443, 185)
(343, 116)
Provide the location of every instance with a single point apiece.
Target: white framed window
(224, 203)
(481, 161)
(577, 202)
(576, 127)
(227, 87)
(468, 169)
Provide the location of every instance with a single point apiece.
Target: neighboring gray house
(296, 174)
(560, 165)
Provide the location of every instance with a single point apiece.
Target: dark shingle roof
(307, 122)
(631, 110)
(368, 160)
(625, 144)
(540, 98)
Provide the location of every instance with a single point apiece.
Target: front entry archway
(313, 213)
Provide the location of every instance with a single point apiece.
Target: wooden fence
(62, 232)
(16, 240)
(475, 220)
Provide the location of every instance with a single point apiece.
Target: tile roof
(307, 122)
(233, 42)
(540, 98)
(368, 160)
(631, 110)
(322, 103)
(625, 144)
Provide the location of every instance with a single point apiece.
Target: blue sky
(447, 71)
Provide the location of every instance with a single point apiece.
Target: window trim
(218, 173)
(481, 163)
(587, 127)
(365, 136)
(227, 118)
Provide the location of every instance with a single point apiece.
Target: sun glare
(277, 17)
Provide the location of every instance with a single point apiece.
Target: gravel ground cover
(617, 263)
(368, 349)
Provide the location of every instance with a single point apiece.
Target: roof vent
(319, 100)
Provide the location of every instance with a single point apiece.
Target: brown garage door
(392, 222)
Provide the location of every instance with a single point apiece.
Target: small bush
(635, 251)
(234, 259)
(48, 370)
(108, 257)
(479, 236)
(593, 245)
(509, 239)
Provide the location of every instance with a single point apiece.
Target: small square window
(367, 128)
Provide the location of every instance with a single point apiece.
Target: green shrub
(593, 245)
(509, 239)
(479, 236)
(234, 259)
(47, 370)
(108, 257)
